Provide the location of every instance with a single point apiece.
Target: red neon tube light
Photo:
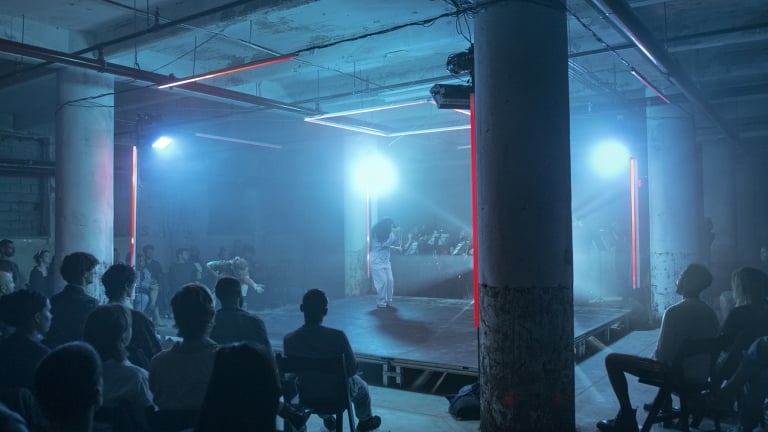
(134, 192)
(633, 216)
(473, 151)
(229, 70)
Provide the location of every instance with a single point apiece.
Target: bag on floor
(465, 405)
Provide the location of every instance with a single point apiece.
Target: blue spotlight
(610, 158)
(375, 174)
(162, 142)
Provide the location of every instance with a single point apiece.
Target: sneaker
(330, 423)
(624, 422)
(369, 424)
(382, 305)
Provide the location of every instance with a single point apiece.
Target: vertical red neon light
(633, 217)
(473, 151)
(134, 192)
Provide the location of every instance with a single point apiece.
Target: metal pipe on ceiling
(125, 38)
(47, 55)
(624, 19)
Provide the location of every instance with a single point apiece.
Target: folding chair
(671, 380)
(322, 387)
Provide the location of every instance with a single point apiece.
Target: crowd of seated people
(420, 240)
(86, 375)
(741, 344)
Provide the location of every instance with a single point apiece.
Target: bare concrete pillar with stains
(675, 200)
(524, 218)
(85, 168)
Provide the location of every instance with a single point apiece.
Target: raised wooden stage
(425, 344)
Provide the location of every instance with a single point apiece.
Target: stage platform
(426, 344)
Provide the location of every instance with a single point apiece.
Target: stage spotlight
(451, 96)
(610, 158)
(162, 143)
(375, 174)
(461, 62)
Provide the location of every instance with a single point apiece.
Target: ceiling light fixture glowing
(162, 143)
(238, 140)
(247, 66)
(330, 119)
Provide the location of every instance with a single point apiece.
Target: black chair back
(322, 385)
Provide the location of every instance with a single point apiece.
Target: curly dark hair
(117, 281)
(75, 265)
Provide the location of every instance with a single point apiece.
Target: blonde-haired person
(747, 321)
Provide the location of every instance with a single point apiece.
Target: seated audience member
(315, 340)
(688, 319)
(108, 330)
(748, 385)
(118, 283)
(30, 313)
(68, 387)
(72, 305)
(40, 279)
(179, 376)
(747, 321)
(243, 393)
(232, 323)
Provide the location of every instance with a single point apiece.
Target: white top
(380, 251)
(689, 319)
(125, 381)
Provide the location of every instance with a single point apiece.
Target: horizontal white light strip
(237, 140)
(366, 110)
(370, 131)
(426, 131)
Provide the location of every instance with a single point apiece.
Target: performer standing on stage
(383, 239)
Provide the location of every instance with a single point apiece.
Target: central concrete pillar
(84, 168)
(524, 218)
(674, 188)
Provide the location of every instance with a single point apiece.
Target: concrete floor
(403, 411)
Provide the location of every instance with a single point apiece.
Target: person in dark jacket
(30, 313)
(232, 323)
(72, 305)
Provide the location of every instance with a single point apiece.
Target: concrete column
(719, 205)
(84, 167)
(675, 207)
(524, 218)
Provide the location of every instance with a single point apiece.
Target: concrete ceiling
(362, 54)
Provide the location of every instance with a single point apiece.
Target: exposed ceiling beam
(52, 56)
(624, 19)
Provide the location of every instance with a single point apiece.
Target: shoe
(625, 421)
(382, 305)
(330, 423)
(369, 424)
